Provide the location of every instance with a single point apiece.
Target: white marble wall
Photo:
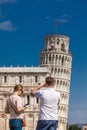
(30, 77)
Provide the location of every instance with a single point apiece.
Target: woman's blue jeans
(15, 124)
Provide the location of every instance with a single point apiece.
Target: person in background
(15, 108)
(49, 100)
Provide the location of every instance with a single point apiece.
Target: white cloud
(7, 26)
(7, 1)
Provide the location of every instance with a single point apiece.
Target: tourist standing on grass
(49, 100)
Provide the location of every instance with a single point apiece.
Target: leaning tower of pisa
(57, 58)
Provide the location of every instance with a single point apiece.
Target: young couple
(49, 100)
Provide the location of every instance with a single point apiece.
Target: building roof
(23, 69)
(57, 35)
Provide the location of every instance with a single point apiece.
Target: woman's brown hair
(18, 87)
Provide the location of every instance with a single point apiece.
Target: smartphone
(26, 104)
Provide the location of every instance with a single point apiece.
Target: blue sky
(23, 25)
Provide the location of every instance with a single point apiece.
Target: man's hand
(32, 91)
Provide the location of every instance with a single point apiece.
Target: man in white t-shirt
(49, 100)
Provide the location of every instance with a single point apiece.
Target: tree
(73, 127)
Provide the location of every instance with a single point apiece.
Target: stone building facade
(55, 60)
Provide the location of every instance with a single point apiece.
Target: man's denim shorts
(47, 125)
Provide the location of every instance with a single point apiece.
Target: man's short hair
(50, 80)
